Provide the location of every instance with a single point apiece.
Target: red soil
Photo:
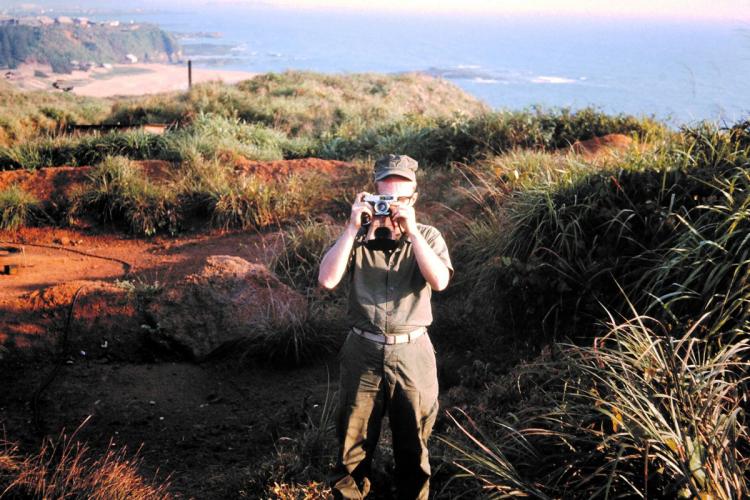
(210, 425)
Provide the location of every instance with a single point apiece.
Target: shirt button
(389, 313)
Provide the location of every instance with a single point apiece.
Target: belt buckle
(390, 339)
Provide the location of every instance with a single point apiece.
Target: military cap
(391, 164)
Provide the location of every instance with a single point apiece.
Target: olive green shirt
(387, 292)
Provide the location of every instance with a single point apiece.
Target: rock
(230, 299)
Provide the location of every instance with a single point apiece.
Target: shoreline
(120, 79)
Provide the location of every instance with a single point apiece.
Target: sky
(727, 10)
(736, 11)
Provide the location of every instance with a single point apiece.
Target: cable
(53, 373)
(125, 264)
(38, 424)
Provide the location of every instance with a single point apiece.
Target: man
(387, 363)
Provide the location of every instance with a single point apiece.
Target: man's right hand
(359, 207)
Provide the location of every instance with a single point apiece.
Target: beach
(120, 79)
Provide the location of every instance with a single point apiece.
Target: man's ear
(414, 199)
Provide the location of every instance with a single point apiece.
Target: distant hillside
(67, 46)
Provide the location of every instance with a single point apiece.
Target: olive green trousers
(375, 379)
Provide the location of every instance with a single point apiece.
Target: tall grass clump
(87, 150)
(299, 339)
(213, 134)
(18, 207)
(302, 249)
(120, 192)
(707, 266)
(66, 468)
(645, 411)
(556, 249)
(254, 201)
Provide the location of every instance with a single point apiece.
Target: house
(63, 20)
(131, 58)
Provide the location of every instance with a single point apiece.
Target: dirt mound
(54, 185)
(605, 144)
(228, 300)
(105, 322)
(51, 185)
(282, 168)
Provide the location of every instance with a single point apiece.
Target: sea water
(677, 71)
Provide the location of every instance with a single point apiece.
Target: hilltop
(166, 291)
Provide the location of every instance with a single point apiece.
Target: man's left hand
(406, 217)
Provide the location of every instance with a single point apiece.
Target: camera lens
(381, 207)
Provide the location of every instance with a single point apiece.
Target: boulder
(229, 300)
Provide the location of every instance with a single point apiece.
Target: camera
(381, 203)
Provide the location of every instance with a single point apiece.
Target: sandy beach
(120, 79)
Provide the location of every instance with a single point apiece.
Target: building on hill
(63, 20)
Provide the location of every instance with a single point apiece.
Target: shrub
(119, 192)
(17, 207)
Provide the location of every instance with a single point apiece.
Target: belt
(399, 338)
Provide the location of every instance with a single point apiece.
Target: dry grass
(65, 468)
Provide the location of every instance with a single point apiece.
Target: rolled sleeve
(437, 243)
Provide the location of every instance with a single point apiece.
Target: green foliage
(119, 192)
(28, 115)
(303, 247)
(209, 136)
(643, 410)
(442, 140)
(563, 244)
(17, 207)
(305, 104)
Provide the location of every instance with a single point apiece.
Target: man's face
(400, 187)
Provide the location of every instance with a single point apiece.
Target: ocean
(679, 72)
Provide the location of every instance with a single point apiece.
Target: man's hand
(359, 207)
(405, 216)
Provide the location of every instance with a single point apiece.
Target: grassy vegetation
(25, 116)
(643, 410)
(118, 191)
(297, 114)
(657, 403)
(298, 340)
(66, 468)
(624, 277)
(17, 207)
